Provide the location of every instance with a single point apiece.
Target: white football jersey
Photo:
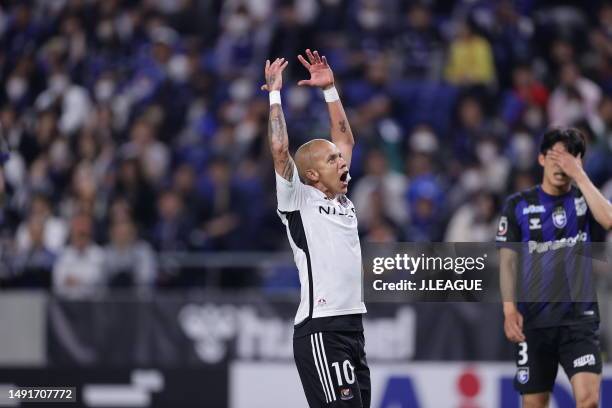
(323, 235)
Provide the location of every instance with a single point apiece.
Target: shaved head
(309, 154)
(320, 164)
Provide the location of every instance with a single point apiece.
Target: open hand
(570, 165)
(321, 74)
(274, 74)
(513, 326)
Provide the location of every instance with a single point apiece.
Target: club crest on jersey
(343, 201)
(346, 394)
(522, 375)
(503, 226)
(581, 206)
(559, 217)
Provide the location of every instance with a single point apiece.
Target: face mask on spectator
(178, 68)
(534, 118)
(58, 83)
(38, 176)
(241, 90)
(104, 90)
(246, 131)
(486, 152)
(523, 148)
(472, 180)
(125, 26)
(423, 141)
(370, 19)
(298, 98)
(16, 88)
(59, 154)
(389, 130)
(238, 24)
(197, 109)
(235, 113)
(574, 111)
(105, 31)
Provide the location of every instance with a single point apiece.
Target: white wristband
(331, 94)
(275, 97)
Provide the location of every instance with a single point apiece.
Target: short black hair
(572, 138)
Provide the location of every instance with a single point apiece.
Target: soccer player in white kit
(328, 342)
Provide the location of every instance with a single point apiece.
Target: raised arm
(600, 207)
(321, 76)
(277, 129)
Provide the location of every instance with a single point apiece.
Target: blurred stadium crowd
(138, 127)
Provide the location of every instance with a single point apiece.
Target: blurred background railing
(170, 269)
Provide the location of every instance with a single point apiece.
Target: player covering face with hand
(556, 320)
(321, 224)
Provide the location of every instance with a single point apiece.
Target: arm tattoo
(342, 124)
(279, 142)
(277, 131)
(270, 79)
(288, 169)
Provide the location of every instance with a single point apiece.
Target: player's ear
(312, 175)
(541, 159)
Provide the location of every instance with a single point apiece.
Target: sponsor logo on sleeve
(581, 206)
(502, 229)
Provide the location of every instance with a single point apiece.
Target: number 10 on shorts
(349, 372)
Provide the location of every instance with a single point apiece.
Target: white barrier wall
(23, 340)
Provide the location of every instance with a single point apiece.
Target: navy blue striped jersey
(554, 279)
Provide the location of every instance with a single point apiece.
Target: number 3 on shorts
(522, 353)
(349, 372)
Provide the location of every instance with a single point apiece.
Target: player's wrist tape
(275, 97)
(331, 94)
